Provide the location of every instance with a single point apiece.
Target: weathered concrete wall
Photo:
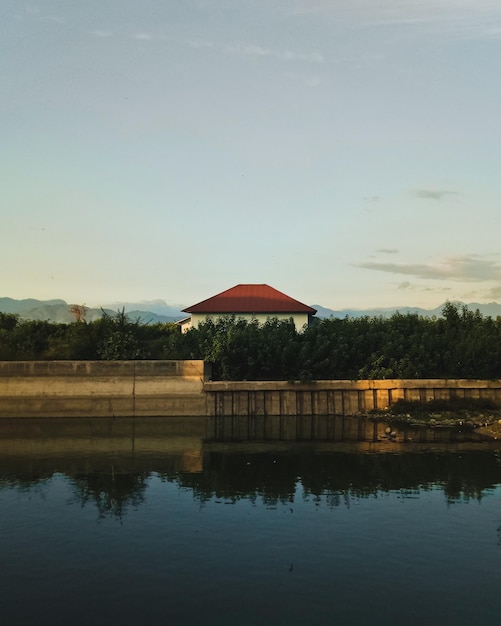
(181, 388)
(101, 388)
(337, 397)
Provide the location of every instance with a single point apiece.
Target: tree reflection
(233, 477)
(112, 493)
(112, 488)
(335, 478)
(24, 482)
(272, 478)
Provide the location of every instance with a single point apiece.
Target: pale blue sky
(346, 152)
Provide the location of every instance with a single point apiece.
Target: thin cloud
(462, 269)
(101, 33)
(434, 194)
(494, 293)
(463, 18)
(52, 18)
(388, 250)
(309, 57)
(252, 51)
(35, 12)
(143, 36)
(398, 10)
(493, 32)
(249, 50)
(306, 79)
(255, 51)
(197, 43)
(311, 81)
(408, 286)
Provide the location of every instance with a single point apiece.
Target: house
(249, 302)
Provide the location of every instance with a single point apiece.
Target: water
(152, 523)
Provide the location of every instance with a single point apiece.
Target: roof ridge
(250, 298)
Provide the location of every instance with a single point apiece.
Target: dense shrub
(459, 344)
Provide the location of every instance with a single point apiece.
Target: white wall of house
(300, 319)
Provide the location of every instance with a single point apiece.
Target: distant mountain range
(492, 309)
(58, 311)
(158, 311)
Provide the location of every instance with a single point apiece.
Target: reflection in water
(336, 478)
(123, 522)
(108, 463)
(111, 493)
(341, 476)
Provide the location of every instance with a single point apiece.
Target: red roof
(250, 299)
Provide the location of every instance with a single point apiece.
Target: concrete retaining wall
(102, 388)
(337, 397)
(181, 388)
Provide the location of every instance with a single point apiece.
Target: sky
(345, 152)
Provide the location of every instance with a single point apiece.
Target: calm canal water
(154, 522)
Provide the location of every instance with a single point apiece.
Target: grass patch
(454, 405)
(456, 412)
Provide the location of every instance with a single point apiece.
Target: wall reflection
(108, 462)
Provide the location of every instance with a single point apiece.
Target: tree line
(459, 344)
